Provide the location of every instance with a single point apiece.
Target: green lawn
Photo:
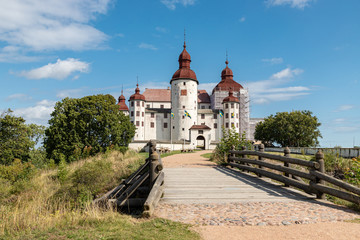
(121, 228)
(207, 155)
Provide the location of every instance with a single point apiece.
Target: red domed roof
(231, 98)
(227, 82)
(184, 70)
(122, 104)
(137, 95)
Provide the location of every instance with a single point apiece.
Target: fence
(308, 176)
(341, 152)
(143, 188)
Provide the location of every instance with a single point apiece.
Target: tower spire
(122, 89)
(184, 38)
(227, 58)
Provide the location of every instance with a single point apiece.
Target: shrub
(230, 138)
(352, 175)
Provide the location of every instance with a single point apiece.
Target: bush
(352, 175)
(230, 138)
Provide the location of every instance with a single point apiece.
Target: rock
(286, 223)
(261, 224)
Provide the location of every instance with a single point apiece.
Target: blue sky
(290, 54)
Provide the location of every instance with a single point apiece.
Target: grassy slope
(34, 214)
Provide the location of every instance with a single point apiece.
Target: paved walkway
(199, 192)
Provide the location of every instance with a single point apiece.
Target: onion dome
(184, 70)
(227, 82)
(122, 103)
(231, 97)
(137, 95)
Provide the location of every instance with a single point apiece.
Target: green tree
(294, 129)
(15, 138)
(87, 125)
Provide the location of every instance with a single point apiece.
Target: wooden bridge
(247, 176)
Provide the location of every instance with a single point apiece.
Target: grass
(354, 221)
(207, 155)
(42, 210)
(121, 227)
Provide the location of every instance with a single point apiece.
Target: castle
(184, 116)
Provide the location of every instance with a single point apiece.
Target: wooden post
(233, 155)
(153, 163)
(261, 149)
(320, 159)
(286, 154)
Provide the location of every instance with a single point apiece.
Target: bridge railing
(143, 188)
(308, 176)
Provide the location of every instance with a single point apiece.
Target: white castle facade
(184, 116)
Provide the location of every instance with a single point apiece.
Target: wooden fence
(143, 188)
(308, 176)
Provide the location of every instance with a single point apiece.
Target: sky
(289, 54)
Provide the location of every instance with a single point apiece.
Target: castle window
(202, 107)
(183, 117)
(161, 106)
(200, 132)
(142, 114)
(184, 83)
(209, 107)
(237, 125)
(142, 124)
(137, 123)
(132, 104)
(143, 103)
(226, 115)
(165, 115)
(215, 125)
(137, 113)
(173, 127)
(183, 92)
(237, 115)
(232, 125)
(227, 106)
(203, 123)
(147, 105)
(138, 104)
(183, 129)
(232, 105)
(132, 113)
(202, 116)
(165, 125)
(215, 116)
(227, 125)
(183, 107)
(152, 115)
(152, 125)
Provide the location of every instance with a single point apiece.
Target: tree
(16, 138)
(294, 129)
(86, 126)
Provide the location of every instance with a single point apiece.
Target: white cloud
(18, 96)
(344, 108)
(59, 70)
(37, 25)
(171, 4)
(270, 90)
(39, 114)
(243, 19)
(161, 29)
(273, 61)
(147, 46)
(71, 93)
(301, 4)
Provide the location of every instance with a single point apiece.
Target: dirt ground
(336, 230)
(331, 230)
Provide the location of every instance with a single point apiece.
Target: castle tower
(184, 98)
(122, 104)
(231, 106)
(137, 113)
